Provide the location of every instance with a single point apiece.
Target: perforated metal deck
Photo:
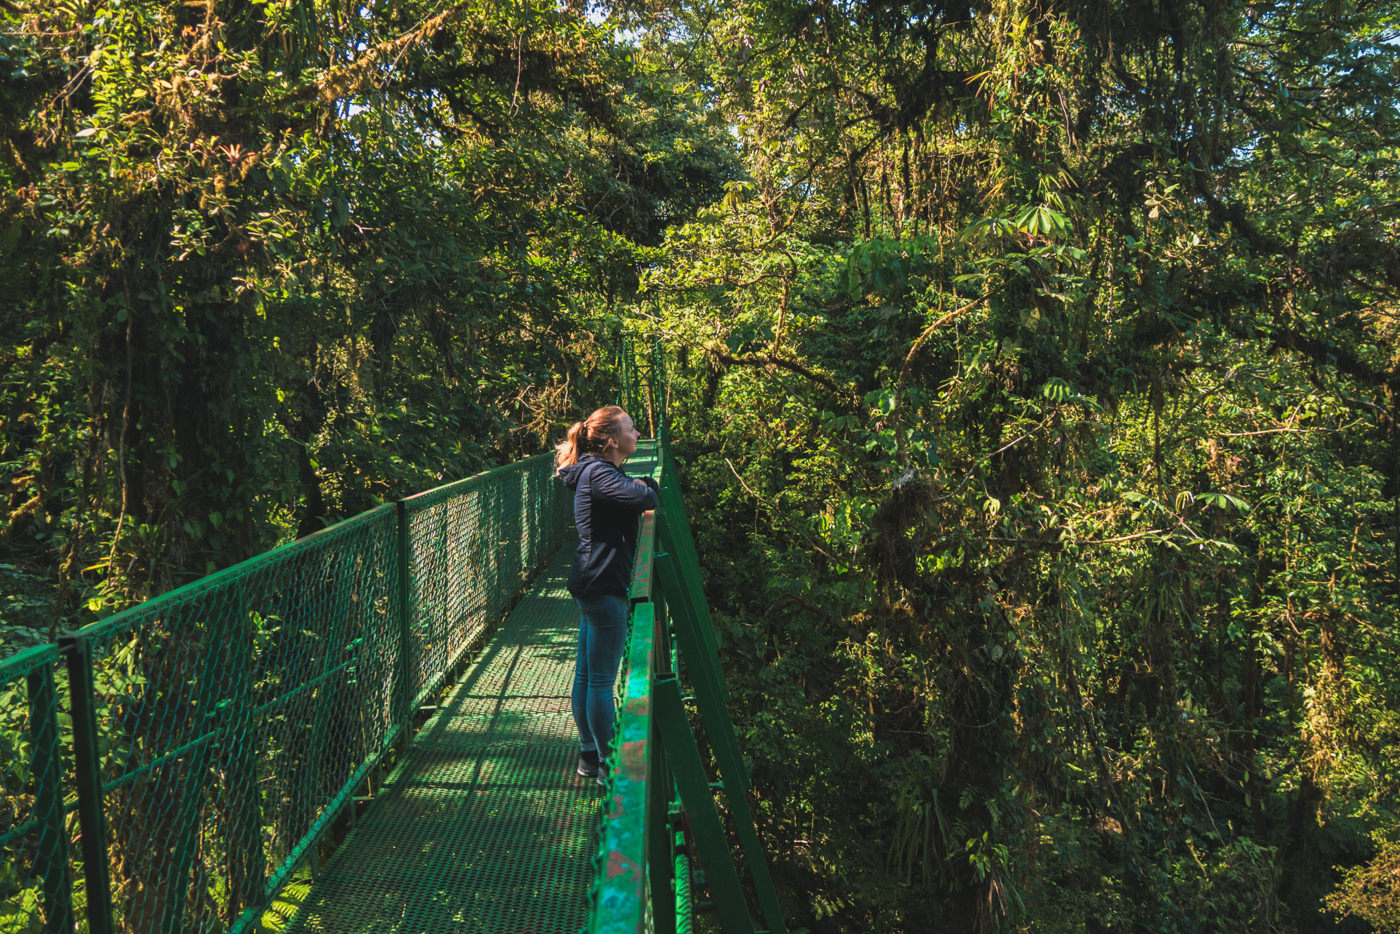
(486, 828)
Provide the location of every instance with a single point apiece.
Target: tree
(1050, 425)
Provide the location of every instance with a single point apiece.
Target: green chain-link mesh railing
(219, 730)
(36, 876)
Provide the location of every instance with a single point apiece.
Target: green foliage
(264, 265)
(1368, 891)
(1046, 360)
(269, 264)
(1033, 368)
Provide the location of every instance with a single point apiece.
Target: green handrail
(658, 778)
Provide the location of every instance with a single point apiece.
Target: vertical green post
(661, 386)
(97, 885)
(403, 669)
(624, 361)
(51, 855)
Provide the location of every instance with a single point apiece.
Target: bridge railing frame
(177, 717)
(661, 808)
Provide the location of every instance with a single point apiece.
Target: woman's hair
(589, 436)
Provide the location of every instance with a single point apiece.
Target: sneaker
(588, 763)
(603, 772)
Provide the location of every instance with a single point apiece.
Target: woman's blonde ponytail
(569, 450)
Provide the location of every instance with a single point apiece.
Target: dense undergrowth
(1037, 389)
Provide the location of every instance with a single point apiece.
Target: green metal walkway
(485, 826)
(213, 761)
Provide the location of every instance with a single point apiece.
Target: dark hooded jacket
(607, 503)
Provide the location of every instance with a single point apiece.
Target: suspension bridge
(368, 730)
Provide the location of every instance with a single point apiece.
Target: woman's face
(625, 437)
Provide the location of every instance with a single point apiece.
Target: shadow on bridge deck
(485, 828)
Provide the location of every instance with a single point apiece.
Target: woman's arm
(616, 487)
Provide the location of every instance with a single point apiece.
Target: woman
(606, 505)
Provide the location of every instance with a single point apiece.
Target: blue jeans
(602, 635)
